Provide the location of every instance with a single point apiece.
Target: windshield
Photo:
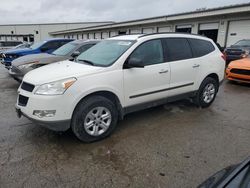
(105, 53)
(65, 49)
(242, 43)
(37, 45)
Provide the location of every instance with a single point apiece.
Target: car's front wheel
(94, 119)
(207, 92)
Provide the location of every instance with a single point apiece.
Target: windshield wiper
(87, 61)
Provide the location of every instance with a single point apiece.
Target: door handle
(196, 65)
(163, 71)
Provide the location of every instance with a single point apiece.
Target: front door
(151, 82)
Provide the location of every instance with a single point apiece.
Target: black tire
(81, 112)
(199, 99)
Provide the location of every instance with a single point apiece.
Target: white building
(224, 25)
(38, 32)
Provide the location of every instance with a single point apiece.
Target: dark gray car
(237, 51)
(71, 50)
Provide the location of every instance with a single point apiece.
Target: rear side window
(53, 44)
(201, 47)
(177, 49)
(85, 47)
(149, 53)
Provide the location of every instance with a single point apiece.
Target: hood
(59, 71)
(241, 63)
(43, 58)
(18, 51)
(239, 48)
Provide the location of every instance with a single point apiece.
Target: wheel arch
(214, 76)
(107, 94)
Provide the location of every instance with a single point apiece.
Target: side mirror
(75, 54)
(134, 63)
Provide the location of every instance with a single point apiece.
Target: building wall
(40, 31)
(169, 26)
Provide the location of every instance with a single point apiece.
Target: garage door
(105, 35)
(209, 26)
(164, 29)
(84, 36)
(238, 30)
(135, 31)
(98, 36)
(113, 33)
(147, 30)
(91, 36)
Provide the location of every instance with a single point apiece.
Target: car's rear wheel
(207, 92)
(94, 119)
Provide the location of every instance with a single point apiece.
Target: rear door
(150, 83)
(184, 69)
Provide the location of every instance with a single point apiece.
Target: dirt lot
(176, 145)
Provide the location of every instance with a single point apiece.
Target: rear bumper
(52, 125)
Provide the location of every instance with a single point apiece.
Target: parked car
(239, 70)
(23, 45)
(19, 46)
(237, 51)
(4, 45)
(71, 50)
(118, 76)
(235, 176)
(47, 46)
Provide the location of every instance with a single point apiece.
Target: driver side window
(149, 53)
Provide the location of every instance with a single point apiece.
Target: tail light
(223, 55)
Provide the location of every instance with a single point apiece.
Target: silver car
(69, 51)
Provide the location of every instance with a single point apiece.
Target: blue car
(47, 46)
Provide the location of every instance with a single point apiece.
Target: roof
(58, 23)
(231, 9)
(126, 37)
(167, 34)
(85, 41)
(55, 39)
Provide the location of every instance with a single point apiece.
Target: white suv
(118, 76)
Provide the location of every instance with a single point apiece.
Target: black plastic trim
(162, 90)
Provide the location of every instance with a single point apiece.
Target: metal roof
(237, 8)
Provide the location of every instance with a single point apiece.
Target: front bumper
(63, 125)
(16, 73)
(63, 105)
(237, 77)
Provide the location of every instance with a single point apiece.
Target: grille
(27, 87)
(234, 52)
(22, 100)
(11, 56)
(240, 71)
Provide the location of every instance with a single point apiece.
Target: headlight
(27, 65)
(245, 54)
(55, 88)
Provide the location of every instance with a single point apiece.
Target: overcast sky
(44, 11)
